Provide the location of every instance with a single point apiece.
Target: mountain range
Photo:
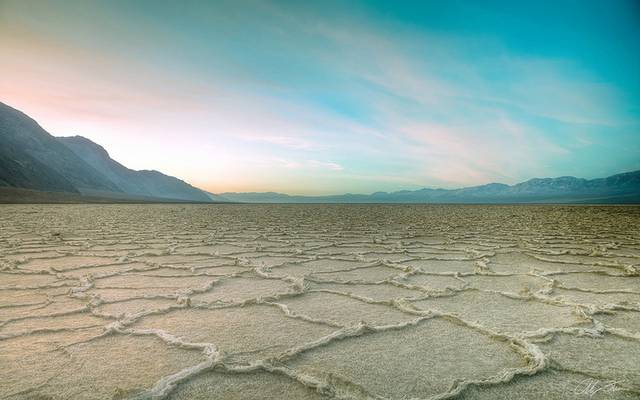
(620, 188)
(31, 158)
(36, 166)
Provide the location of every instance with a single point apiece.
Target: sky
(332, 97)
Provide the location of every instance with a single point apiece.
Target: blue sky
(333, 97)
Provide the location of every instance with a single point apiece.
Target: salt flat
(319, 302)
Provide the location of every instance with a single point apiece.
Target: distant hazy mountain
(621, 188)
(31, 158)
(216, 198)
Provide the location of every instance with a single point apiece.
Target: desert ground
(319, 302)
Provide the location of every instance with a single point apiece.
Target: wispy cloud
(298, 93)
(325, 165)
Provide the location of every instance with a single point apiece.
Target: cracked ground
(319, 302)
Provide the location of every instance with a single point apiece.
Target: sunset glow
(332, 98)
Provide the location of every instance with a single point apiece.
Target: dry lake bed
(319, 302)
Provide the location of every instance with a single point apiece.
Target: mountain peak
(85, 143)
(33, 159)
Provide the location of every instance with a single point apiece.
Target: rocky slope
(31, 158)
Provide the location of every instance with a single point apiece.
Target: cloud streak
(272, 95)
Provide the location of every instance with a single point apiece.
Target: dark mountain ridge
(31, 158)
(140, 183)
